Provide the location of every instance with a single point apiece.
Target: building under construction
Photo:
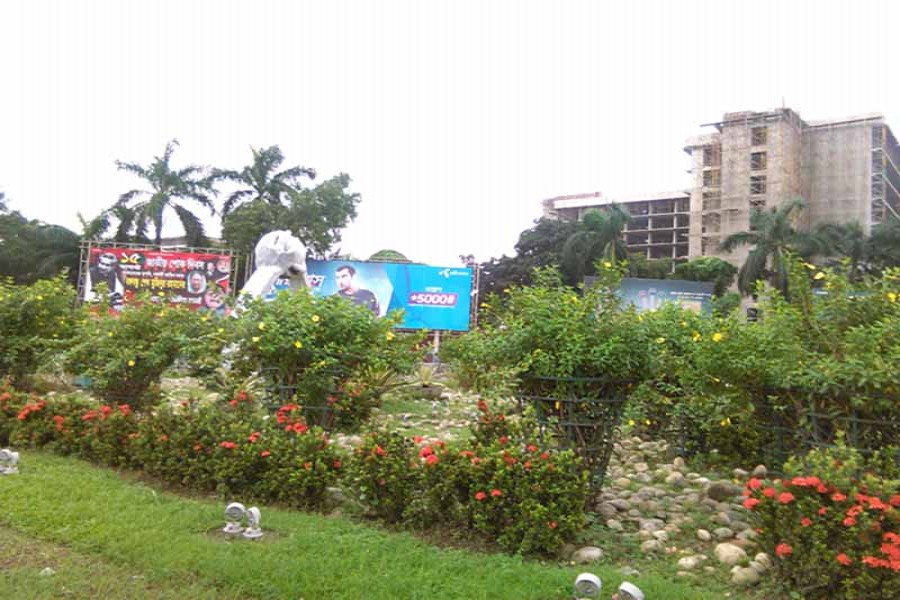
(844, 169)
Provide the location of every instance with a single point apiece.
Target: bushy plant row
(231, 447)
(833, 526)
(502, 484)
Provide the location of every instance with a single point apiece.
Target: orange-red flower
(783, 549)
(754, 484)
(769, 492)
(265, 453)
(750, 503)
(480, 496)
(806, 521)
(432, 459)
(843, 559)
(496, 493)
(785, 497)
(228, 445)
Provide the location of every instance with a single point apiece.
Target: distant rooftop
(598, 199)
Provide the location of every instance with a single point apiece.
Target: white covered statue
(278, 254)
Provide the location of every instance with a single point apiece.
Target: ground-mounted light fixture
(587, 585)
(629, 591)
(234, 514)
(9, 462)
(253, 532)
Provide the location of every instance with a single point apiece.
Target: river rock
(703, 535)
(722, 491)
(745, 576)
(729, 554)
(586, 555)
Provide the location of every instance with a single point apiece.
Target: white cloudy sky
(454, 119)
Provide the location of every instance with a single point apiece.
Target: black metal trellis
(578, 413)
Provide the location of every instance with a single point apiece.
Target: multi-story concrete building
(844, 169)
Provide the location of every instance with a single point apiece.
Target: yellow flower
(574, 299)
(819, 275)
(255, 339)
(315, 318)
(660, 340)
(298, 344)
(131, 363)
(485, 305)
(683, 323)
(725, 422)
(631, 422)
(809, 266)
(607, 264)
(261, 326)
(506, 291)
(717, 337)
(40, 297)
(892, 296)
(109, 334)
(696, 336)
(205, 319)
(389, 335)
(647, 421)
(220, 330)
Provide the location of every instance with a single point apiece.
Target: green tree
(773, 238)
(316, 216)
(708, 268)
(388, 255)
(169, 188)
(848, 242)
(539, 246)
(883, 246)
(32, 250)
(262, 179)
(598, 237)
(651, 268)
(122, 219)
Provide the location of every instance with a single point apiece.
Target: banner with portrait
(197, 280)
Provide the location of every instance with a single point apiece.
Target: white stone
(651, 546)
(588, 554)
(703, 535)
(688, 563)
(745, 576)
(763, 559)
(730, 554)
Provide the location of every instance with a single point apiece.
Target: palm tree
(773, 237)
(168, 186)
(599, 236)
(263, 180)
(127, 226)
(847, 241)
(883, 246)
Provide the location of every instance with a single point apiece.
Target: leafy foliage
(708, 268)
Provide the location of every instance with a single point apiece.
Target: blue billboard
(650, 294)
(430, 297)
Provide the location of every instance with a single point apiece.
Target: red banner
(200, 281)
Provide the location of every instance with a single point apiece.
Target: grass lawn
(93, 524)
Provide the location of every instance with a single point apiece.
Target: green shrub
(125, 354)
(833, 526)
(33, 319)
(328, 355)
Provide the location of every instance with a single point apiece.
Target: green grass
(128, 526)
(78, 575)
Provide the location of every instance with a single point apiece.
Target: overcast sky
(454, 119)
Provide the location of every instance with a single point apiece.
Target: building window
(759, 136)
(712, 178)
(758, 161)
(709, 245)
(712, 200)
(712, 156)
(712, 223)
(757, 184)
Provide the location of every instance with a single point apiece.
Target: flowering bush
(835, 533)
(33, 318)
(231, 447)
(328, 355)
(500, 484)
(125, 354)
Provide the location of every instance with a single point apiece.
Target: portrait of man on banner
(348, 288)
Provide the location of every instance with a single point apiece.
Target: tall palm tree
(847, 241)
(124, 220)
(167, 188)
(883, 246)
(599, 236)
(262, 179)
(773, 237)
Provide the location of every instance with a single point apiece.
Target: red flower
(510, 460)
(480, 496)
(806, 521)
(58, 419)
(253, 437)
(895, 501)
(769, 492)
(426, 451)
(527, 464)
(299, 427)
(337, 464)
(125, 409)
(552, 524)
(418, 439)
(531, 448)
(307, 465)
(379, 451)
(849, 522)
(821, 512)
(873, 561)
(475, 460)
(843, 559)
(265, 453)
(228, 445)
(88, 416)
(754, 484)
(783, 549)
(233, 402)
(496, 493)
(163, 438)
(466, 453)
(503, 440)
(750, 503)
(785, 497)
(482, 406)
(431, 459)
(545, 455)
(242, 395)
(838, 497)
